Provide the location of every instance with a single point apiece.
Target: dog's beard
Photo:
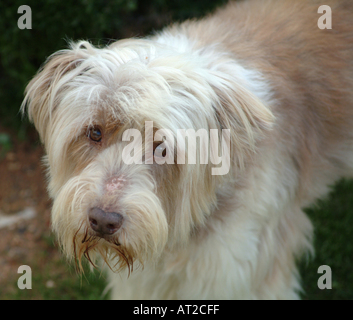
(88, 245)
(142, 236)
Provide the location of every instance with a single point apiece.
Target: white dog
(264, 71)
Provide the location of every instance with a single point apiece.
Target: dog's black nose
(104, 223)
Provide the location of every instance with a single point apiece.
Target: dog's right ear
(241, 111)
(41, 94)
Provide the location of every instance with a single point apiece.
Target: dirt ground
(22, 185)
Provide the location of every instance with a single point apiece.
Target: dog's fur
(262, 69)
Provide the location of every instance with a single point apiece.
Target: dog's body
(262, 69)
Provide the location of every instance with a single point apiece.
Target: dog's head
(112, 194)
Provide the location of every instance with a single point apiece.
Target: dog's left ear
(41, 95)
(243, 112)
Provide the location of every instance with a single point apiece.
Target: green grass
(333, 241)
(53, 278)
(67, 285)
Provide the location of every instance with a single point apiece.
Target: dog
(261, 71)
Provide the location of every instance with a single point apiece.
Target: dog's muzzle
(104, 223)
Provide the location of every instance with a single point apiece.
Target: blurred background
(25, 236)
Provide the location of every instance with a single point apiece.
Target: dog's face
(85, 101)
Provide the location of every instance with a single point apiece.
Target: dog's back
(310, 71)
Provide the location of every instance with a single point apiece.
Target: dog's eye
(159, 149)
(95, 134)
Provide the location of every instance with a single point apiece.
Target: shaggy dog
(264, 71)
